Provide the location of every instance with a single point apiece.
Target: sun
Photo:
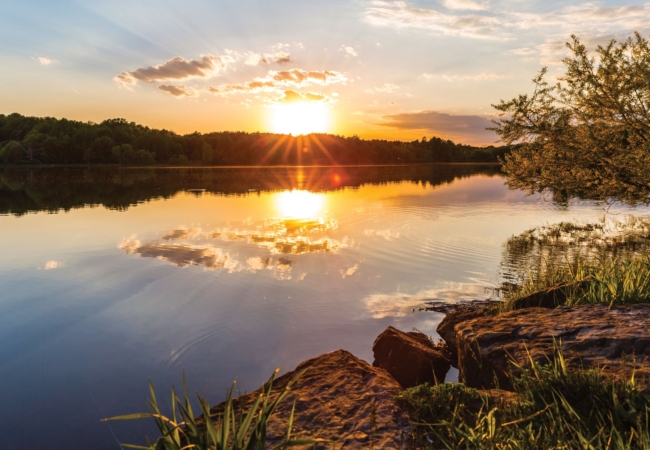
(300, 118)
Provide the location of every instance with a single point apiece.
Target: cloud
(465, 5)
(350, 51)
(400, 14)
(181, 255)
(386, 89)
(282, 58)
(493, 23)
(276, 81)
(553, 51)
(52, 265)
(462, 128)
(176, 69)
(293, 96)
(180, 233)
(178, 91)
(255, 59)
(44, 61)
(455, 78)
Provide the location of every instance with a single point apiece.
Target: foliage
(553, 407)
(610, 259)
(231, 429)
(588, 135)
(62, 141)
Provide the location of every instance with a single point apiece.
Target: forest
(47, 140)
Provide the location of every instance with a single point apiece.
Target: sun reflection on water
(297, 204)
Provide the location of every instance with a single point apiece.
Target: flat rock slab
(590, 336)
(335, 401)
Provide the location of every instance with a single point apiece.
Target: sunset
(353, 224)
(382, 69)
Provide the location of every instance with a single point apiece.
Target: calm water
(110, 278)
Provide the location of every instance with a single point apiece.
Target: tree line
(47, 140)
(24, 190)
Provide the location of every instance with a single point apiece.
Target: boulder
(616, 340)
(446, 328)
(336, 400)
(410, 357)
(551, 297)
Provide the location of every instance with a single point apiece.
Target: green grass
(610, 258)
(600, 279)
(554, 408)
(231, 430)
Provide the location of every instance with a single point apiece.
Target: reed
(618, 280)
(229, 430)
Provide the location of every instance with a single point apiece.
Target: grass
(231, 430)
(552, 408)
(607, 262)
(602, 279)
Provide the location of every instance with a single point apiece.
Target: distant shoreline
(192, 166)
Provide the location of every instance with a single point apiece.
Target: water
(109, 278)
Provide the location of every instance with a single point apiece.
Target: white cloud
(400, 14)
(52, 265)
(465, 5)
(455, 78)
(485, 22)
(255, 59)
(387, 88)
(44, 61)
(350, 51)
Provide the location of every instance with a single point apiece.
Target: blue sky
(386, 69)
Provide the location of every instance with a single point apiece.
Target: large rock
(335, 401)
(410, 357)
(447, 328)
(589, 336)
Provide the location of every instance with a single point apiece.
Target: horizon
(388, 70)
(287, 134)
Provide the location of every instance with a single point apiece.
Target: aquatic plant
(606, 262)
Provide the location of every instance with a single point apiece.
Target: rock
(335, 399)
(590, 336)
(447, 330)
(551, 297)
(410, 357)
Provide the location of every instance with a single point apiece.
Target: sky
(373, 68)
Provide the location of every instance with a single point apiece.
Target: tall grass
(553, 408)
(605, 262)
(231, 430)
(604, 279)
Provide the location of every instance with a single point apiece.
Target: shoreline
(167, 166)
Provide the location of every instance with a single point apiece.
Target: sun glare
(300, 204)
(300, 118)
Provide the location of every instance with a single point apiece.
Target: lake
(113, 277)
